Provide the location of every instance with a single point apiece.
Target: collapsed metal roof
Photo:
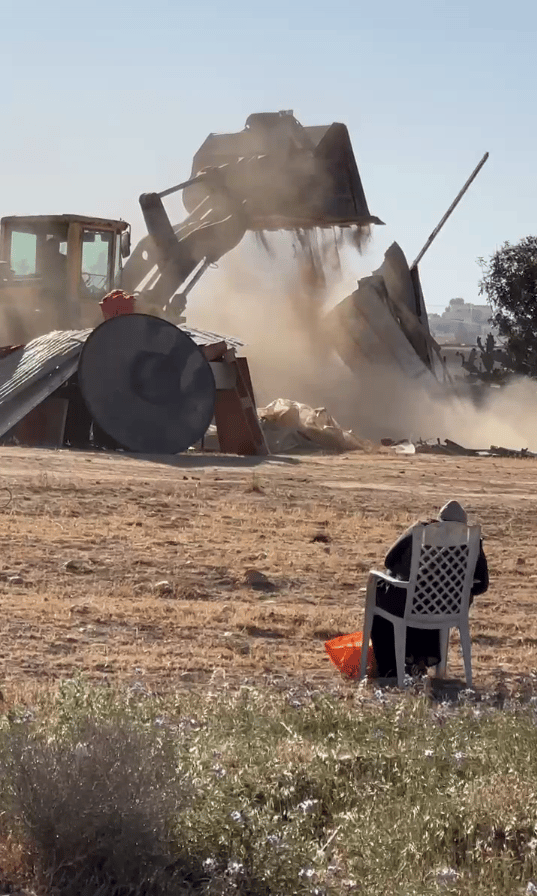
(28, 375)
(206, 337)
(385, 321)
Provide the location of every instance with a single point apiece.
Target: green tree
(510, 284)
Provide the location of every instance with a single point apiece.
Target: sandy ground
(87, 538)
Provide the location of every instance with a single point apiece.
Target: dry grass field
(140, 570)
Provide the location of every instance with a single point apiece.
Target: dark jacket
(398, 558)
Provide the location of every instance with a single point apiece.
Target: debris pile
(290, 425)
(452, 449)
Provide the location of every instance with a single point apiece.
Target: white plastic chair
(444, 556)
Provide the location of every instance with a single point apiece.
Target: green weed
(261, 793)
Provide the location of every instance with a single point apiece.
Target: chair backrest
(444, 556)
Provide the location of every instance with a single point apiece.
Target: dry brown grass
(122, 525)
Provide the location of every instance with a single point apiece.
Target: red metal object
(6, 350)
(116, 303)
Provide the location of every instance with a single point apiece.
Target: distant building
(461, 323)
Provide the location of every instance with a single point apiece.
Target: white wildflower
(307, 873)
(447, 876)
(308, 807)
(234, 869)
(274, 840)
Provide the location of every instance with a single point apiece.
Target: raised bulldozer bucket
(289, 177)
(273, 175)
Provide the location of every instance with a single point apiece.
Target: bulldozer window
(23, 254)
(96, 260)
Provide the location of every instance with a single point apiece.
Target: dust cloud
(275, 301)
(397, 408)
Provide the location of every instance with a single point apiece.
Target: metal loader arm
(215, 227)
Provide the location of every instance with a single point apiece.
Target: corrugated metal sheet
(205, 337)
(32, 373)
(364, 329)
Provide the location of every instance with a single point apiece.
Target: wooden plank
(215, 351)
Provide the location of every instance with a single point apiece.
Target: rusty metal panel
(30, 374)
(44, 426)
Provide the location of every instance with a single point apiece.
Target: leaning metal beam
(451, 209)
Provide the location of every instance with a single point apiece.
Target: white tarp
(288, 425)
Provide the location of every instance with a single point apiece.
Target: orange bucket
(346, 653)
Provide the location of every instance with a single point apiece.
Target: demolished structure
(385, 322)
(142, 380)
(273, 175)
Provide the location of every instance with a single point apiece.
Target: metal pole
(187, 183)
(451, 208)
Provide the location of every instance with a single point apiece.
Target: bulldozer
(273, 175)
(55, 269)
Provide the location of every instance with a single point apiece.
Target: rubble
(453, 449)
(448, 447)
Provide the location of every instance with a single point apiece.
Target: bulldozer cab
(54, 270)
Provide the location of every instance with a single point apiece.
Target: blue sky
(103, 101)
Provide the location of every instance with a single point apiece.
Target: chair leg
(368, 625)
(466, 645)
(399, 636)
(444, 647)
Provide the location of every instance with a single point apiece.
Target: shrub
(98, 812)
